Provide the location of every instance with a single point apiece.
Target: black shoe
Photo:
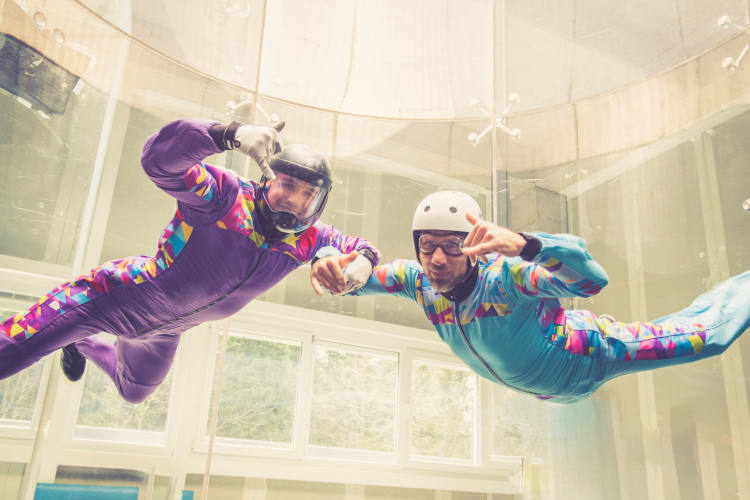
(73, 363)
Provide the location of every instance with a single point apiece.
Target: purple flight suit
(211, 261)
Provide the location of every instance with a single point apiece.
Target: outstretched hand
(328, 273)
(260, 143)
(486, 237)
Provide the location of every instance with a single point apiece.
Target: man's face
(444, 271)
(289, 194)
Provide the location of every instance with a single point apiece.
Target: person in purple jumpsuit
(230, 240)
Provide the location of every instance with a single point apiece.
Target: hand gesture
(357, 273)
(328, 273)
(260, 143)
(486, 237)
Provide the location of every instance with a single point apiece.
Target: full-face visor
(294, 203)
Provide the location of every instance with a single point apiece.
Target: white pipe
(215, 410)
(101, 152)
(150, 484)
(39, 449)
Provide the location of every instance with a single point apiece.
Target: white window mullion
(200, 438)
(304, 397)
(483, 433)
(193, 365)
(403, 423)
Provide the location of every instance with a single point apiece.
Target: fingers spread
(348, 258)
(316, 286)
(470, 237)
(265, 169)
(481, 249)
(278, 145)
(328, 273)
(471, 218)
(477, 235)
(334, 268)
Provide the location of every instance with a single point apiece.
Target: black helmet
(303, 178)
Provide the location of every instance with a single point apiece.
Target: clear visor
(292, 195)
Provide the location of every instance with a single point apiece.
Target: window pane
(258, 390)
(18, 393)
(102, 406)
(50, 129)
(443, 408)
(520, 424)
(354, 399)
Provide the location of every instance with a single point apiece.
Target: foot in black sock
(73, 363)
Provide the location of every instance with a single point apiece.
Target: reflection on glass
(443, 409)
(192, 39)
(659, 228)
(258, 390)
(354, 399)
(519, 424)
(46, 172)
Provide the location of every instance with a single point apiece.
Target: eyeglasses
(450, 246)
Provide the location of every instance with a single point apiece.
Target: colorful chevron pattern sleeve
(331, 241)
(401, 278)
(563, 268)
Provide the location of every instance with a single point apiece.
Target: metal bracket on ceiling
(242, 110)
(732, 63)
(498, 122)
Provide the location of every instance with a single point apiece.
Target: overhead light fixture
(58, 36)
(40, 20)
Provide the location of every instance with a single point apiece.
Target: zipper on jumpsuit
(206, 306)
(482, 360)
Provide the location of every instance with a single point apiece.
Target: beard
(444, 283)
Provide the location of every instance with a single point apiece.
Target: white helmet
(444, 211)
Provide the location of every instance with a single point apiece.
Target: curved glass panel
(628, 128)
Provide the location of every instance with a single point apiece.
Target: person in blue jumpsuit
(493, 296)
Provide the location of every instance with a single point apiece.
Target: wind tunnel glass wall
(559, 52)
(49, 118)
(665, 221)
(91, 202)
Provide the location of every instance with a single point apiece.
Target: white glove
(260, 143)
(357, 273)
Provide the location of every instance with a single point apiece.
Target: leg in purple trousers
(136, 366)
(73, 313)
(27, 347)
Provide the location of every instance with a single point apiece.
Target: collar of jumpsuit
(464, 289)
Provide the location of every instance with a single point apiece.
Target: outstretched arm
(550, 265)
(172, 158)
(562, 268)
(341, 263)
(398, 278)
